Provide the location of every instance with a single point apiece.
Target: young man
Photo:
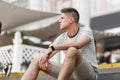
(6, 68)
(78, 45)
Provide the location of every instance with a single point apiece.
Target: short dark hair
(73, 12)
(0, 26)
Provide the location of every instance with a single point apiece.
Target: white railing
(28, 54)
(6, 54)
(18, 53)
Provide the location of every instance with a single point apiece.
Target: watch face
(52, 47)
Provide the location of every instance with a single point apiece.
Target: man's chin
(62, 28)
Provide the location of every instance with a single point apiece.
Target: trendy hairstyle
(73, 12)
(0, 26)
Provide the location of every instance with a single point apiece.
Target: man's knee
(74, 52)
(71, 52)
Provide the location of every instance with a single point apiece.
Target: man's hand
(44, 59)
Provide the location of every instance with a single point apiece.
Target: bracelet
(52, 47)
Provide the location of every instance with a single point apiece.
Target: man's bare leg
(71, 61)
(32, 71)
(34, 68)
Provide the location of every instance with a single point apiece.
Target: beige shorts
(84, 71)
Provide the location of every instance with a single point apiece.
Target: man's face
(64, 21)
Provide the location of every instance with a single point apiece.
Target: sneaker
(8, 70)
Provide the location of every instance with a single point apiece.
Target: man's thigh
(84, 71)
(55, 69)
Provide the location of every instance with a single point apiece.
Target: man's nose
(59, 20)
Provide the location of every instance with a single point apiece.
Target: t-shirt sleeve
(59, 40)
(88, 32)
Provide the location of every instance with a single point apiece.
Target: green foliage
(26, 63)
(27, 41)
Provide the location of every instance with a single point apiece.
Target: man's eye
(62, 18)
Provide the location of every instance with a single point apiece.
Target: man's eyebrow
(61, 17)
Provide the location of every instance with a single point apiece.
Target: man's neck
(73, 31)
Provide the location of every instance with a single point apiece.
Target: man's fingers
(43, 64)
(43, 61)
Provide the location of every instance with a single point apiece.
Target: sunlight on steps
(17, 76)
(2, 75)
(113, 65)
(109, 71)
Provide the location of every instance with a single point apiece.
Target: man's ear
(71, 19)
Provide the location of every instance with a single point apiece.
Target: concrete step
(106, 72)
(101, 76)
(40, 77)
(109, 74)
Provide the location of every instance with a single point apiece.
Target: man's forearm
(52, 54)
(65, 46)
(77, 44)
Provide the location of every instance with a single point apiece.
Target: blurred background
(37, 22)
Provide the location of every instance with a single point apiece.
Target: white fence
(18, 53)
(6, 54)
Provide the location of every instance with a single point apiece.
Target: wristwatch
(52, 47)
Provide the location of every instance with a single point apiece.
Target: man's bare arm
(84, 39)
